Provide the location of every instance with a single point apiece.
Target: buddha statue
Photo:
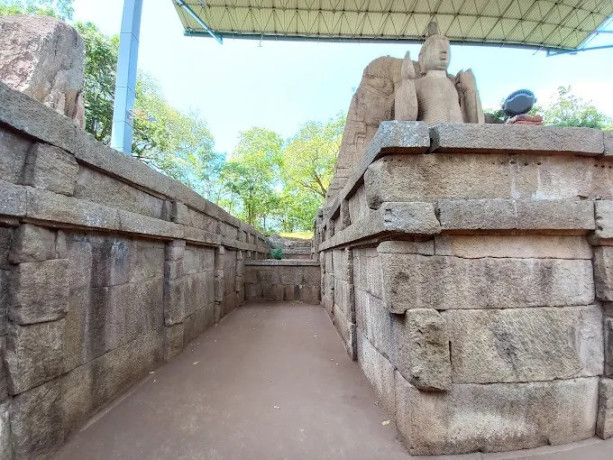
(428, 93)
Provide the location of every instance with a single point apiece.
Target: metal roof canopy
(543, 24)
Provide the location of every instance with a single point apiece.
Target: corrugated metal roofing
(562, 24)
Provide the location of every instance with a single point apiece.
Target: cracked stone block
(175, 250)
(421, 340)
(6, 447)
(36, 421)
(173, 340)
(527, 344)
(379, 372)
(51, 168)
(34, 354)
(440, 282)
(39, 291)
(32, 244)
(608, 343)
(497, 417)
(174, 301)
(603, 272)
(604, 423)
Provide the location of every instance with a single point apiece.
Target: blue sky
(281, 85)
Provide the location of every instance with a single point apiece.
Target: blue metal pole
(125, 86)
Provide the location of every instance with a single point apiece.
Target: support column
(125, 86)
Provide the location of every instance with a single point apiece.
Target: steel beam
(125, 86)
(207, 30)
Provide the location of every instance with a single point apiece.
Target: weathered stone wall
(283, 280)
(106, 268)
(468, 269)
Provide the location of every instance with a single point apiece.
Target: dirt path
(271, 381)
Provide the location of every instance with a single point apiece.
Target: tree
(565, 110)
(101, 54)
(175, 143)
(251, 176)
(309, 158)
(570, 110)
(61, 9)
(180, 145)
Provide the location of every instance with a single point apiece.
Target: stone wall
(468, 269)
(283, 280)
(106, 269)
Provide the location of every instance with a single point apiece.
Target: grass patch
(301, 235)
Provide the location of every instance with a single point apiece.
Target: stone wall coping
(34, 205)
(283, 262)
(406, 137)
(23, 113)
(498, 138)
(483, 215)
(410, 137)
(391, 218)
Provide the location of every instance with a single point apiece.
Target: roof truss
(548, 24)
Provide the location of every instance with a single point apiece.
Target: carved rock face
(434, 54)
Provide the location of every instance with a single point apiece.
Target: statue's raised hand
(405, 104)
(408, 69)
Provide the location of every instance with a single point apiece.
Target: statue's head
(434, 53)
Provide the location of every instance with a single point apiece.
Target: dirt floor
(269, 382)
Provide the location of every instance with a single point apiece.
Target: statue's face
(434, 54)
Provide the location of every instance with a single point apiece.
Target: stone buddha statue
(428, 93)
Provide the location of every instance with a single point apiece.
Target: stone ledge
(447, 283)
(29, 116)
(489, 138)
(394, 217)
(42, 206)
(501, 214)
(283, 262)
(392, 137)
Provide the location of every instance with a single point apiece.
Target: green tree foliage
(180, 145)
(278, 185)
(570, 110)
(101, 54)
(309, 158)
(565, 110)
(251, 177)
(61, 9)
(272, 184)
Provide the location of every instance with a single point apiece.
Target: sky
(281, 85)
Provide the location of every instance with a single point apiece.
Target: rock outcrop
(44, 58)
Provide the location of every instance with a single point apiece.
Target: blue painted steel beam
(125, 86)
(188, 9)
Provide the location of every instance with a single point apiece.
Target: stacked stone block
(482, 282)
(602, 239)
(106, 268)
(285, 280)
(343, 306)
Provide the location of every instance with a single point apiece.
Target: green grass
(301, 235)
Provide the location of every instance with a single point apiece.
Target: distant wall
(283, 280)
(469, 270)
(106, 268)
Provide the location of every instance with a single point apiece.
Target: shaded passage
(271, 381)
